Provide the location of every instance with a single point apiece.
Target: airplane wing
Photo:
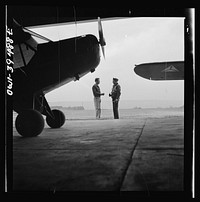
(173, 70)
(34, 15)
(25, 44)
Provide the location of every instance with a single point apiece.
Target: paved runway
(102, 155)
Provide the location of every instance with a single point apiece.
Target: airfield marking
(130, 159)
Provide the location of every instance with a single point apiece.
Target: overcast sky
(129, 41)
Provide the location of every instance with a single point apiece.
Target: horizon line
(120, 100)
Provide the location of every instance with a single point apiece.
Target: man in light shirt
(97, 97)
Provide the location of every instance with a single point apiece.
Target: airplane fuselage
(53, 65)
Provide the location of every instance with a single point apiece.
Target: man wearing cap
(115, 94)
(97, 97)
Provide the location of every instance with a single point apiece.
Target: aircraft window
(22, 57)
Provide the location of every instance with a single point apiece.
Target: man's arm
(96, 92)
(118, 90)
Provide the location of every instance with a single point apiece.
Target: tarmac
(102, 155)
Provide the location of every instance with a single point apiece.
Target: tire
(57, 121)
(29, 123)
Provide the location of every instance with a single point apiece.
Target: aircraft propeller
(102, 41)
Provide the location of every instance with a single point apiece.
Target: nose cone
(79, 56)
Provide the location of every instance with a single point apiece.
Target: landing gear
(57, 120)
(29, 123)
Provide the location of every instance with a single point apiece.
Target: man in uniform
(97, 97)
(115, 94)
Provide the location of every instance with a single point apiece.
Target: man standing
(97, 97)
(115, 94)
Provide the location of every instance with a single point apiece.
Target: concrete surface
(158, 160)
(102, 155)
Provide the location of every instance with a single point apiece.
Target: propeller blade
(102, 41)
(103, 51)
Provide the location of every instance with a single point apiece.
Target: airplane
(41, 68)
(172, 70)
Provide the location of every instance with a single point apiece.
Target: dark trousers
(115, 110)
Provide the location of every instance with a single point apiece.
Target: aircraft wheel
(29, 123)
(58, 121)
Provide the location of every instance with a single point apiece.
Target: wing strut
(28, 31)
(36, 34)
